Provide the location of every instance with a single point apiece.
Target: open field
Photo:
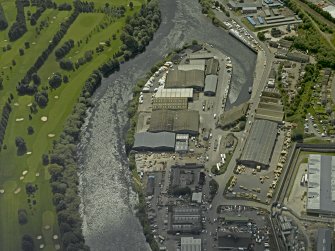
(60, 105)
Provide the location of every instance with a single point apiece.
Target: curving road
(105, 181)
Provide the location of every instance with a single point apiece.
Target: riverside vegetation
(54, 54)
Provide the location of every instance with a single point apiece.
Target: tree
(55, 80)
(131, 5)
(21, 145)
(45, 159)
(27, 243)
(1, 83)
(30, 130)
(261, 36)
(22, 215)
(21, 51)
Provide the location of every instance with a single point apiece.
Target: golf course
(28, 209)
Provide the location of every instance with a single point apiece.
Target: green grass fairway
(57, 110)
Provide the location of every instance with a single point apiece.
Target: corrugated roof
(183, 79)
(183, 121)
(147, 140)
(189, 67)
(211, 84)
(169, 104)
(201, 55)
(212, 66)
(174, 93)
(190, 244)
(321, 184)
(260, 143)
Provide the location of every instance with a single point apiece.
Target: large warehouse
(181, 121)
(186, 79)
(146, 141)
(321, 184)
(175, 93)
(260, 144)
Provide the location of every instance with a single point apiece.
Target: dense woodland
(309, 40)
(19, 27)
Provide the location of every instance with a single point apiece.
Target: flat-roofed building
(260, 143)
(190, 244)
(321, 185)
(201, 55)
(146, 141)
(180, 121)
(211, 82)
(249, 10)
(186, 79)
(175, 93)
(234, 241)
(169, 104)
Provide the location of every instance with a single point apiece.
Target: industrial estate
(255, 176)
(212, 171)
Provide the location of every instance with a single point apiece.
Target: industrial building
(211, 82)
(321, 185)
(237, 5)
(190, 244)
(146, 141)
(212, 66)
(197, 197)
(191, 67)
(260, 144)
(186, 79)
(185, 220)
(175, 93)
(181, 121)
(182, 143)
(324, 240)
(234, 241)
(169, 104)
(249, 10)
(201, 55)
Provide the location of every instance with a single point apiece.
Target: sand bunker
(55, 237)
(37, 174)
(22, 177)
(2, 191)
(46, 227)
(51, 135)
(44, 118)
(39, 237)
(16, 104)
(24, 172)
(57, 247)
(41, 246)
(30, 104)
(56, 97)
(19, 119)
(29, 153)
(17, 190)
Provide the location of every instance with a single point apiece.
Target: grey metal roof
(190, 244)
(260, 143)
(324, 240)
(212, 66)
(182, 121)
(211, 84)
(321, 184)
(174, 93)
(147, 140)
(184, 79)
(197, 197)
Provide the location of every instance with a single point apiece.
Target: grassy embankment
(57, 110)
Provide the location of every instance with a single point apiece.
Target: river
(105, 181)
